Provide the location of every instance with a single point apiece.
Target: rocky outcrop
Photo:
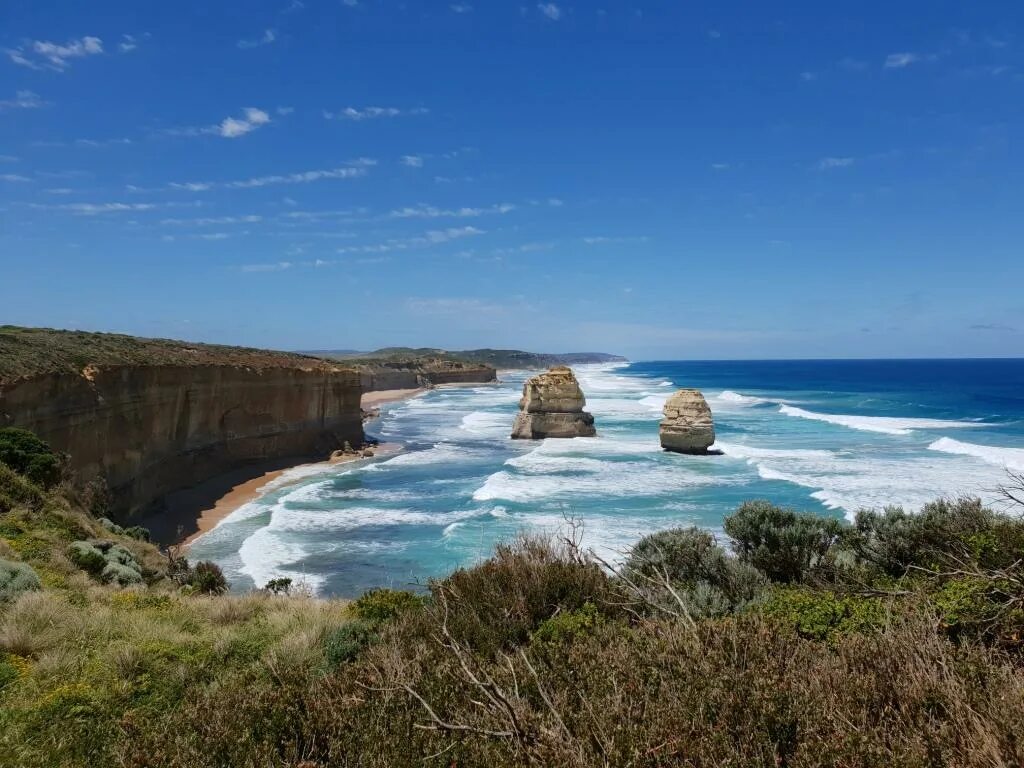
(688, 426)
(552, 406)
(377, 378)
(152, 429)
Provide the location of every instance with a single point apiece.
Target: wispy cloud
(606, 240)
(901, 60)
(128, 43)
(42, 54)
(268, 37)
(828, 163)
(461, 7)
(457, 306)
(372, 113)
(93, 143)
(412, 161)
(8, 159)
(213, 221)
(23, 100)
(992, 327)
(432, 237)
(550, 11)
(230, 127)
(14, 178)
(278, 266)
(424, 211)
(96, 209)
(352, 171)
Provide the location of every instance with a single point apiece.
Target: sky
(663, 180)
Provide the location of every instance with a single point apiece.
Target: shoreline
(247, 489)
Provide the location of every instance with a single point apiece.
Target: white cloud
(275, 267)
(128, 43)
(350, 3)
(23, 100)
(8, 159)
(214, 221)
(413, 161)
(900, 60)
(808, 77)
(423, 211)
(433, 237)
(14, 177)
(721, 166)
(461, 7)
(42, 54)
(605, 240)
(370, 113)
(268, 36)
(304, 177)
(230, 127)
(828, 163)
(550, 10)
(454, 306)
(714, 34)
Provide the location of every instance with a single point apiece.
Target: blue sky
(664, 180)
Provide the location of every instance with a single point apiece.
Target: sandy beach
(245, 489)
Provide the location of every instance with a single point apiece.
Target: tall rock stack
(552, 406)
(687, 426)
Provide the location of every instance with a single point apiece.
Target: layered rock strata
(552, 406)
(152, 429)
(688, 426)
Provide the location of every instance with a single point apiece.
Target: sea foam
(888, 425)
(1010, 458)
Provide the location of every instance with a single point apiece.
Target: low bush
(207, 578)
(346, 642)
(783, 544)
(16, 579)
(27, 455)
(688, 565)
(566, 627)
(945, 533)
(16, 490)
(379, 605)
(499, 603)
(87, 557)
(822, 614)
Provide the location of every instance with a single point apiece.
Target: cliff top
(28, 352)
(496, 358)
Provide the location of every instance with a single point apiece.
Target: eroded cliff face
(375, 379)
(150, 430)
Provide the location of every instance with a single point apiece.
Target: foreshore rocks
(552, 406)
(688, 426)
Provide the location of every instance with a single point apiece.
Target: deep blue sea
(827, 436)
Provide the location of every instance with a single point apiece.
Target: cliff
(378, 375)
(153, 416)
(494, 358)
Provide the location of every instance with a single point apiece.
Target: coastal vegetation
(495, 358)
(804, 640)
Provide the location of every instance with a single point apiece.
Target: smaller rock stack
(688, 426)
(552, 406)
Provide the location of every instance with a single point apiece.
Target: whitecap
(885, 424)
(1010, 458)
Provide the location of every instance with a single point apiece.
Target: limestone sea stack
(552, 406)
(687, 426)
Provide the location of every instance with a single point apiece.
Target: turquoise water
(831, 437)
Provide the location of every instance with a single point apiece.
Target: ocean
(830, 437)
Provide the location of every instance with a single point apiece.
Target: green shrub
(15, 579)
(26, 454)
(120, 574)
(699, 571)
(821, 614)
(783, 544)
(500, 602)
(945, 533)
(87, 557)
(207, 578)
(379, 605)
(566, 627)
(345, 643)
(16, 490)
(282, 586)
(121, 556)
